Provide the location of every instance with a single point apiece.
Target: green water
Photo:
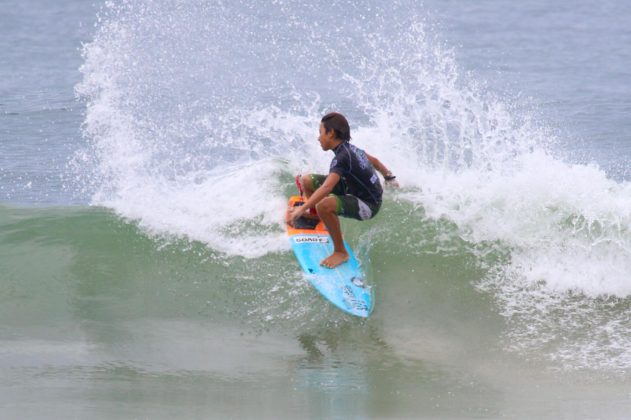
(103, 321)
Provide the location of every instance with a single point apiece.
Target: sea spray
(198, 115)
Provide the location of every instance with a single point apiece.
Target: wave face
(198, 115)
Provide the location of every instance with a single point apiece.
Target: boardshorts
(347, 205)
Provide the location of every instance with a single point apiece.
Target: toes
(326, 264)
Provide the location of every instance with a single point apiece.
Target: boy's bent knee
(327, 205)
(305, 180)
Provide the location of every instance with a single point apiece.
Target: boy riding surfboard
(351, 189)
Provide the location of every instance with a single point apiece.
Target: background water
(146, 153)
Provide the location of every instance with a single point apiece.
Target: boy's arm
(387, 174)
(325, 189)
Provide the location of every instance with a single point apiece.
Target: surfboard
(345, 285)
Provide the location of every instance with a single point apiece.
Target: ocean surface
(147, 149)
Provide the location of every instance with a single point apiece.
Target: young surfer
(351, 189)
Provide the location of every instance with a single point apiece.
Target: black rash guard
(360, 177)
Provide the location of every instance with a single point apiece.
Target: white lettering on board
(312, 239)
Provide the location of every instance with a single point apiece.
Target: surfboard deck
(345, 285)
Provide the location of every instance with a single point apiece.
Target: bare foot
(335, 259)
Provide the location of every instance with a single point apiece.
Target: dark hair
(337, 122)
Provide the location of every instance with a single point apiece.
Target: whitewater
(502, 263)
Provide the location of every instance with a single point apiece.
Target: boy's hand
(392, 183)
(390, 179)
(293, 213)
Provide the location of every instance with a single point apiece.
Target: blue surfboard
(345, 285)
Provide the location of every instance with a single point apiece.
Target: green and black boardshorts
(347, 205)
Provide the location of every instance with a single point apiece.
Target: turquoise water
(146, 153)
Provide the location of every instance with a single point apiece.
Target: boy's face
(327, 140)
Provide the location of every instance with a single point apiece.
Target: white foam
(491, 171)
(475, 162)
(170, 149)
(204, 169)
(567, 225)
(212, 208)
